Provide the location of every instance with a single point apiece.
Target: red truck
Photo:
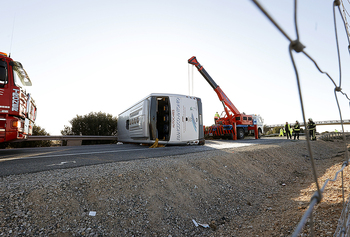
(17, 107)
(233, 124)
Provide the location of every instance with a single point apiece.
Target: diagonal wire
(335, 4)
(295, 20)
(344, 7)
(316, 198)
(271, 19)
(346, 25)
(319, 69)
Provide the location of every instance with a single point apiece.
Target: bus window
(127, 124)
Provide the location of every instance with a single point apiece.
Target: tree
(276, 130)
(267, 130)
(98, 124)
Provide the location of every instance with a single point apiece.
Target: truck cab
(257, 119)
(17, 107)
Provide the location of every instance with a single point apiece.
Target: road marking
(210, 145)
(64, 162)
(26, 156)
(76, 154)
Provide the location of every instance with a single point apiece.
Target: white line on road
(64, 162)
(76, 154)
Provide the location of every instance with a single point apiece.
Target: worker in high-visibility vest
(281, 132)
(216, 117)
(296, 129)
(287, 128)
(311, 126)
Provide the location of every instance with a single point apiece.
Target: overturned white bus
(170, 118)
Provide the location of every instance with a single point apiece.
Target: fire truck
(232, 124)
(17, 107)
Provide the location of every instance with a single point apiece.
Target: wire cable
(271, 19)
(313, 166)
(295, 20)
(336, 4)
(346, 25)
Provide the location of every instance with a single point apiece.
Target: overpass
(326, 122)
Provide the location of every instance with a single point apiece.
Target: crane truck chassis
(17, 107)
(233, 124)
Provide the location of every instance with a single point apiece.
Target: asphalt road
(30, 160)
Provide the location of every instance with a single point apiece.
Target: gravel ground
(260, 190)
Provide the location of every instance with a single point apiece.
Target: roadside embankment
(260, 190)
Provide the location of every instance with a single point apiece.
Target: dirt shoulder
(260, 190)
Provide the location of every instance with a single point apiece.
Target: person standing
(296, 129)
(287, 128)
(311, 126)
(281, 132)
(216, 117)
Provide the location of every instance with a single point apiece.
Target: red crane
(233, 124)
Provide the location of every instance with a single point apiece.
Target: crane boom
(222, 96)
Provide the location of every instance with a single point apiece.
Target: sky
(91, 56)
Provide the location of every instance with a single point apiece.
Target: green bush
(94, 124)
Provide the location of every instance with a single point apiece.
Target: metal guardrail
(277, 135)
(326, 122)
(333, 135)
(69, 137)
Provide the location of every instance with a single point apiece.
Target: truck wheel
(240, 133)
(259, 133)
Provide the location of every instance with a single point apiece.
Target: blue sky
(91, 56)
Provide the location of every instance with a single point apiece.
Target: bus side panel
(133, 124)
(123, 132)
